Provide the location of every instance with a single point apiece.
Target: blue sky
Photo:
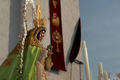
(100, 21)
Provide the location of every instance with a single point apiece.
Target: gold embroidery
(42, 52)
(55, 3)
(7, 62)
(16, 70)
(43, 62)
(55, 20)
(16, 49)
(48, 63)
(56, 38)
(30, 39)
(43, 72)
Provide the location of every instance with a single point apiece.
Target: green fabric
(29, 65)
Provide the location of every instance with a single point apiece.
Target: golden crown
(38, 21)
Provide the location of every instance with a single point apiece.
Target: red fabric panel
(76, 43)
(56, 35)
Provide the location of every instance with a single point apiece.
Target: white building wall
(10, 29)
(9, 26)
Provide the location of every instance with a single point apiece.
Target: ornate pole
(100, 71)
(90, 75)
(105, 75)
(86, 60)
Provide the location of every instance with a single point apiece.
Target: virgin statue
(34, 56)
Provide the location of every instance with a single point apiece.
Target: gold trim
(16, 50)
(16, 70)
(55, 20)
(54, 3)
(57, 38)
(7, 62)
(30, 39)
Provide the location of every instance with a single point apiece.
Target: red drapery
(76, 43)
(56, 35)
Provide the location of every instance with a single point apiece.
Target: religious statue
(34, 56)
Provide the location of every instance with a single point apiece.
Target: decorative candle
(86, 60)
(101, 71)
(105, 76)
(90, 75)
(98, 77)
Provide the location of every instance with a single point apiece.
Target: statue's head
(41, 35)
(40, 23)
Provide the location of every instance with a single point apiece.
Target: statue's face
(41, 35)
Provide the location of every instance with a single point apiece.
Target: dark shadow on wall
(70, 47)
(14, 26)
